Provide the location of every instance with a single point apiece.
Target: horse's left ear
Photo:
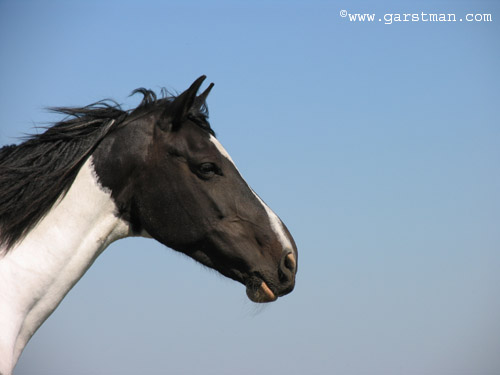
(176, 113)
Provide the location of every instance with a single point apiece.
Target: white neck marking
(38, 272)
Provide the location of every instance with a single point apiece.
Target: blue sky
(378, 146)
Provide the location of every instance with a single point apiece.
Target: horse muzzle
(261, 291)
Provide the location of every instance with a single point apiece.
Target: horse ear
(200, 100)
(176, 113)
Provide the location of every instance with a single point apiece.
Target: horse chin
(258, 291)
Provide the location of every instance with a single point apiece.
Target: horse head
(172, 180)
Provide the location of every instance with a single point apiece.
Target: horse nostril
(288, 266)
(290, 262)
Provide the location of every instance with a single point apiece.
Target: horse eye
(208, 169)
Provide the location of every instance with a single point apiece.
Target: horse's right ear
(177, 111)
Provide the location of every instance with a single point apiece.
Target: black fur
(35, 173)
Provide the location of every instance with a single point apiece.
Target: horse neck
(38, 272)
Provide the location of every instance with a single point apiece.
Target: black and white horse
(104, 174)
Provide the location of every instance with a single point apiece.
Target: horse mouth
(258, 291)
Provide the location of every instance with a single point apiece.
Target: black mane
(35, 173)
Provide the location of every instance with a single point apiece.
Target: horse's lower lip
(261, 294)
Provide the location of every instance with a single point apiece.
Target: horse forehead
(193, 139)
(221, 149)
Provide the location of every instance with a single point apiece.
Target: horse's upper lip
(259, 291)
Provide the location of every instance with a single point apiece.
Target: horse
(103, 174)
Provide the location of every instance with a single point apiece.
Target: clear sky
(377, 144)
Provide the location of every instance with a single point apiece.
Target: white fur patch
(38, 272)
